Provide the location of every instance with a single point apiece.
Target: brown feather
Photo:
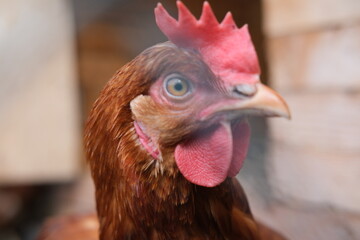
(137, 196)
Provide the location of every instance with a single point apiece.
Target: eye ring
(177, 86)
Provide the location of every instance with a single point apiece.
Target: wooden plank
(284, 17)
(325, 60)
(39, 115)
(322, 121)
(327, 178)
(315, 156)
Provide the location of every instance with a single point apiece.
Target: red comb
(227, 49)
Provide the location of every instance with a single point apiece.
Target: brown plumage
(165, 137)
(139, 197)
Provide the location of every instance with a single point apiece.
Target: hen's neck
(133, 197)
(134, 200)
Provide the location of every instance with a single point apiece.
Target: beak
(265, 102)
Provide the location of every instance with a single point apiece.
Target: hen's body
(223, 216)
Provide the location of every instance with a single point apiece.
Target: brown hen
(168, 134)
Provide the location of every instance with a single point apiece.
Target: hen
(168, 134)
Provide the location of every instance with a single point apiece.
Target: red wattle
(205, 159)
(241, 139)
(211, 156)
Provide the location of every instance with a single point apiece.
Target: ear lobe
(139, 104)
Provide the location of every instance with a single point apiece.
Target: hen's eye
(177, 86)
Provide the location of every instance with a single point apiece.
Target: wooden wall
(314, 61)
(39, 111)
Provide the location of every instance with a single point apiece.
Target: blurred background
(302, 176)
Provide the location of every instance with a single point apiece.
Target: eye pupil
(178, 86)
